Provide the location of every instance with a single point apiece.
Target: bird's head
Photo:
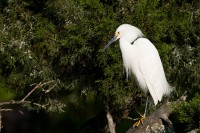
(126, 31)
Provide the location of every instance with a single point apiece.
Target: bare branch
(47, 91)
(158, 119)
(1, 110)
(111, 123)
(24, 101)
(20, 103)
(37, 86)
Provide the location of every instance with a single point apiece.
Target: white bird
(141, 58)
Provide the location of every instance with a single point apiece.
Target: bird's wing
(152, 70)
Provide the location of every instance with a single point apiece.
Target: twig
(47, 91)
(20, 103)
(24, 101)
(37, 86)
(1, 110)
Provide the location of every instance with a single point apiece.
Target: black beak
(110, 42)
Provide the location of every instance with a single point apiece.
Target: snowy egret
(141, 58)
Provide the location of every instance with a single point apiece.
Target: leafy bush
(188, 115)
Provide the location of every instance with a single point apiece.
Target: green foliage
(6, 94)
(188, 114)
(26, 50)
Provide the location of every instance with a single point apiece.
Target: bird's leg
(145, 111)
(140, 120)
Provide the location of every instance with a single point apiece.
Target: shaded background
(62, 40)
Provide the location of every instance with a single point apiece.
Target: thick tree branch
(158, 121)
(111, 124)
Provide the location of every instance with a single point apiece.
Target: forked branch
(24, 100)
(159, 121)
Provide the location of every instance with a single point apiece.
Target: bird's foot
(142, 117)
(138, 120)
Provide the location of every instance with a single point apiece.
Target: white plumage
(141, 58)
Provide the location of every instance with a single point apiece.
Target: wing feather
(152, 70)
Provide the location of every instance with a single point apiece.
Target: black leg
(145, 111)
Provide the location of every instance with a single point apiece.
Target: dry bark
(158, 121)
(111, 124)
